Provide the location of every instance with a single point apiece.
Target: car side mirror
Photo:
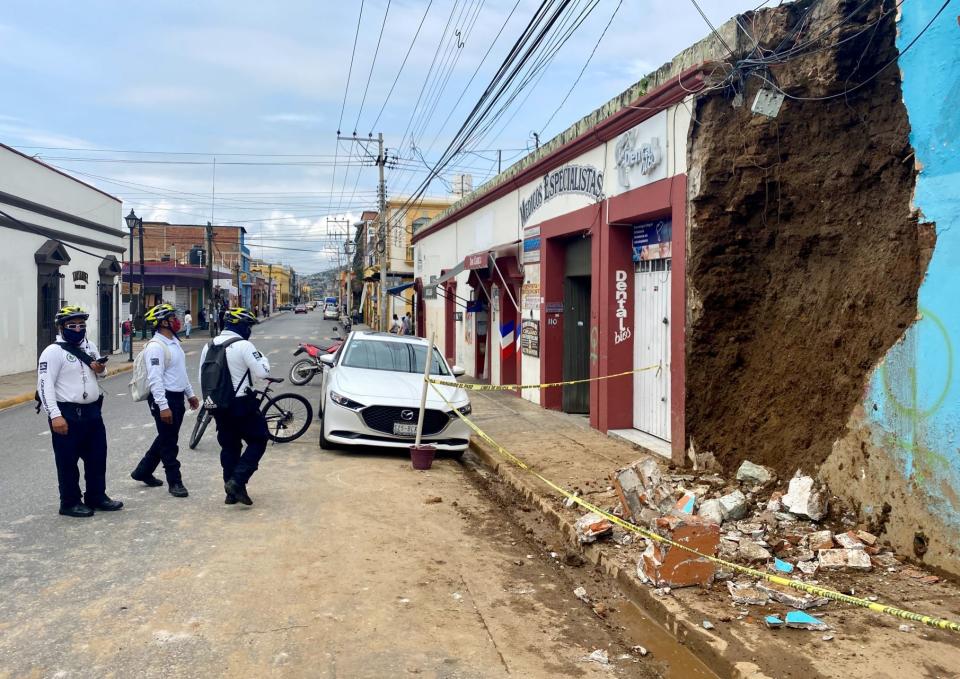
(327, 359)
(458, 371)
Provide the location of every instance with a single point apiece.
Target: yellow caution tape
(929, 620)
(514, 387)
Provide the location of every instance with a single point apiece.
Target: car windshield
(401, 357)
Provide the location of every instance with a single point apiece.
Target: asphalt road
(347, 565)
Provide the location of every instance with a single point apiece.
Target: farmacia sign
(582, 179)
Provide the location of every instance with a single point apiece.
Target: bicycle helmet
(159, 313)
(69, 313)
(239, 316)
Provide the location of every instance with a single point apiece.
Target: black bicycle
(288, 416)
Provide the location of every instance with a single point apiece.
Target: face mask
(241, 329)
(73, 336)
(175, 325)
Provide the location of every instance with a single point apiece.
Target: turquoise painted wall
(914, 397)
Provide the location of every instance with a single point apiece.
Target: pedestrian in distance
(407, 324)
(228, 366)
(187, 324)
(167, 377)
(68, 390)
(126, 331)
(395, 326)
(202, 318)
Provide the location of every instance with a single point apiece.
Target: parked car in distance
(300, 309)
(371, 389)
(285, 307)
(331, 313)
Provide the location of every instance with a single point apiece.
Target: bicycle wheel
(203, 419)
(288, 416)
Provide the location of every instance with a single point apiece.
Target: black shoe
(238, 490)
(105, 505)
(177, 490)
(148, 479)
(78, 510)
(230, 500)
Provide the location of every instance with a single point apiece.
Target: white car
(331, 313)
(371, 395)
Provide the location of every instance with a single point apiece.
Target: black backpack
(215, 382)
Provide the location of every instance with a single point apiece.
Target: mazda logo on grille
(406, 415)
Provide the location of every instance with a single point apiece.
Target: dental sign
(622, 332)
(569, 179)
(633, 155)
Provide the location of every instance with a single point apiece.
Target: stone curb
(23, 398)
(720, 655)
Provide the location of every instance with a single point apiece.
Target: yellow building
(281, 276)
(401, 222)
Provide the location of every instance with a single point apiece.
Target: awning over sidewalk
(397, 289)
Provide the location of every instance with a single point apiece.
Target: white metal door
(651, 347)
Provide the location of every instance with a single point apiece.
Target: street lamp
(134, 221)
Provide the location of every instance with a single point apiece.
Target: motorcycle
(302, 371)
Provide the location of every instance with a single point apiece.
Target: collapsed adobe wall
(805, 256)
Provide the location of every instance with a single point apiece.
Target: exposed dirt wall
(804, 254)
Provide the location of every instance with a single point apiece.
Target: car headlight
(465, 410)
(345, 402)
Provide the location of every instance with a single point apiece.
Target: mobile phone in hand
(103, 359)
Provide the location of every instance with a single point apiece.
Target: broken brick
(822, 539)
(667, 566)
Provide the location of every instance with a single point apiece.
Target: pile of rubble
(748, 521)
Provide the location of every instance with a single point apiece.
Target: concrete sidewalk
(860, 642)
(20, 387)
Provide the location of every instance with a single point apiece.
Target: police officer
(68, 390)
(167, 377)
(242, 421)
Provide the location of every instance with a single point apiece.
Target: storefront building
(566, 267)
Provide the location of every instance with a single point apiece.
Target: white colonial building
(61, 242)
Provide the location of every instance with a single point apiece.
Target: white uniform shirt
(164, 376)
(63, 377)
(241, 357)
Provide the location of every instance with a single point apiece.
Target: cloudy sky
(229, 109)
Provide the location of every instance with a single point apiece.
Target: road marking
(44, 433)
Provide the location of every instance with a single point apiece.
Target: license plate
(404, 429)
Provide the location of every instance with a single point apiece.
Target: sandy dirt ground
(342, 568)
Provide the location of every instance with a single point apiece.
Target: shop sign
(630, 152)
(530, 294)
(651, 240)
(570, 179)
(80, 280)
(620, 297)
(554, 307)
(477, 261)
(429, 291)
(530, 337)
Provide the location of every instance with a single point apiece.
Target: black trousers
(86, 439)
(241, 423)
(165, 446)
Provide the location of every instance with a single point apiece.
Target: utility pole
(143, 278)
(382, 246)
(499, 152)
(211, 312)
(270, 289)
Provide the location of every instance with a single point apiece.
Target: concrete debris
(640, 650)
(822, 539)
(790, 597)
(436, 499)
(598, 656)
(848, 540)
(805, 498)
(808, 567)
(774, 504)
(801, 620)
(844, 558)
(755, 473)
(906, 628)
(734, 506)
(581, 593)
(747, 593)
(591, 526)
(686, 503)
(570, 502)
(707, 624)
(649, 472)
(867, 538)
(753, 552)
(827, 637)
(711, 510)
(665, 565)
(804, 555)
(627, 484)
(915, 574)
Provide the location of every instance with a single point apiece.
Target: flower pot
(422, 456)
